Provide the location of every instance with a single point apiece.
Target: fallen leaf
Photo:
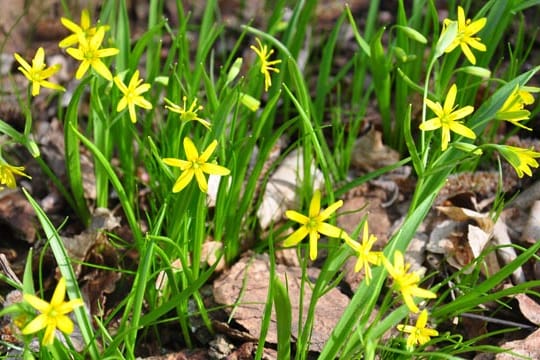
(243, 289)
(529, 308)
(528, 348)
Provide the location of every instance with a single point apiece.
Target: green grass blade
(282, 305)
(64, 264)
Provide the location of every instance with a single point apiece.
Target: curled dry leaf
(506, 252)
(531, 233)
(529, 308)
(282, 188)
(369, 152)
(528, 348)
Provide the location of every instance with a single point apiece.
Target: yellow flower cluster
(448, 117)
(404, 282)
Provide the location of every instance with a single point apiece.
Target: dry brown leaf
(505, 250)
(529, 308)
(462, 214)
(17, 213)
(244, 287)
(526, 348)
(369, 152)
(531, 233)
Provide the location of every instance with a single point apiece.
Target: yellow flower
(520, 159)
(465, 35)
(513, 108)
(53, 314)
(7, 175)
(364, 253)
(85, 30)
(38, 72)
(405, 282)
(132, 95)
(313, 224)
(195, 165)
(266, 64)
(446, 118)
(187, 114)
(419, 333)
(90, 54)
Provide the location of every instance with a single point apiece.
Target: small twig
(497, 321)
(6, 268)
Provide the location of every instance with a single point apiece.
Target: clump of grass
(182, 118)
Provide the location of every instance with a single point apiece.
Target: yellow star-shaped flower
(85, 30)
(266, 64)
(53, 315)
(313, 224)
(364, 253)
(513, 108)
(447, 118)
(521, 159)
(38, 72)
(187, 114)
(406, 283)
(90, 54)
(132, 95)
(7, 175)
(465, 35)
(195, 166)
(419, 334)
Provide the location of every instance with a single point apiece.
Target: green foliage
(406, 69)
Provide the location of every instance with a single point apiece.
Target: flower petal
(296, 216)
(215, 169)
(191, 151)
(330, 230)
(296, 237)
(38, 323)
(201, 180)
(209, 151)
(315, 204)
(183, 180)
(462, 130)
(59, 293)
(330, 210)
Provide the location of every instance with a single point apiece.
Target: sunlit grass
(197, 112)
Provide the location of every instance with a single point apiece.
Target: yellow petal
(183, 181)
(330, 230)
(182, 164)
(215, 169)
(38, 323)
(59, 293)
(461, 113)
(201, 180)
(468, 53)
(330, 210)
(295, 237)
(462, 130)
(102, 69)
(37, 303)
(64, 324)
(296, 216)
(209, 151)
(313, 238)
(431, 124)
(450, 99)
(48, 337)
(191, 151)
(315, 204)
